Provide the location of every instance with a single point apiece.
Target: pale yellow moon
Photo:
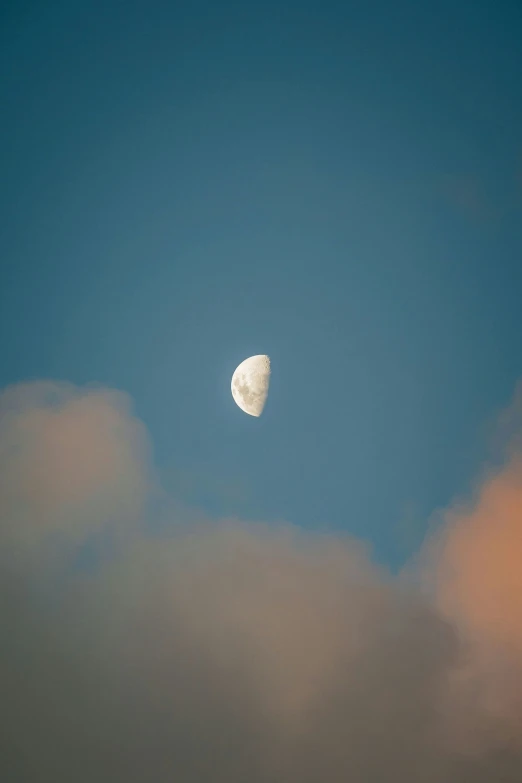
(250, 383)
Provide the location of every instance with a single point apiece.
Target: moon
(250, 383)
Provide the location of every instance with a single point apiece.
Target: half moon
(250, 383)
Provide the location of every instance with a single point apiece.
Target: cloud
(467, 194)
(479, 573)
(473, 564)
(225, 651)
(69, 460)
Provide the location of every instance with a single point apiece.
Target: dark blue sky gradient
(338, 185)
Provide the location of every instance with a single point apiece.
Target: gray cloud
(223, 651)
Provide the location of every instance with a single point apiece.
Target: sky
(330, 591)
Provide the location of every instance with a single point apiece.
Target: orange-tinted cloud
(480, 561)
(473, 565)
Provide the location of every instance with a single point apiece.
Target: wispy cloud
(468, 196)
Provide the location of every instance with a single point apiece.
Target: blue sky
(338, 185)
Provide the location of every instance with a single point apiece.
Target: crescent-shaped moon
(250, 383)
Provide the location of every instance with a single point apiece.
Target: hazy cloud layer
(239, 652)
